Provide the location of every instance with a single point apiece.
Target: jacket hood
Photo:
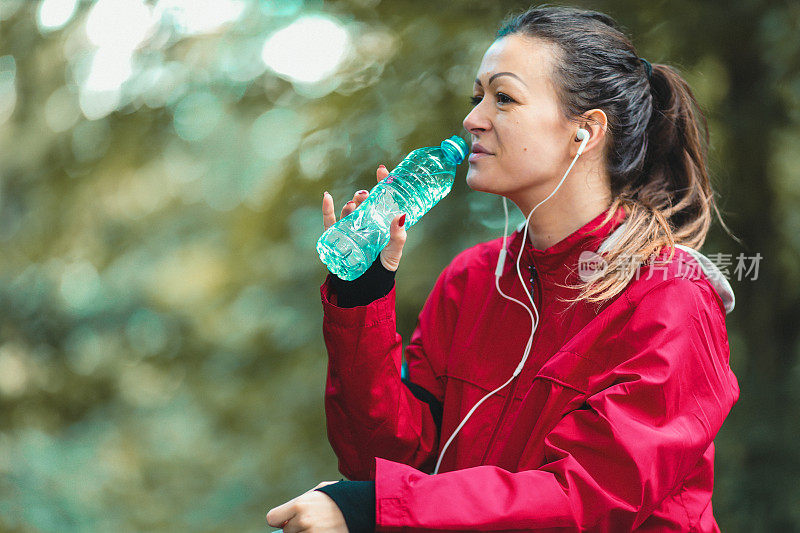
(592, 234)
(711, 271)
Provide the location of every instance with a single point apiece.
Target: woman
(594, 409)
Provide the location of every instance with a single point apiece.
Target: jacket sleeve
(370, 411)
(375, 283)
(644, 424)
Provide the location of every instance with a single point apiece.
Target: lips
(478, 152)
(478, 149)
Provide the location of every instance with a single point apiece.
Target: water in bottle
(422, 178)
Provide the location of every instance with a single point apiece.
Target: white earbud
(583, 136)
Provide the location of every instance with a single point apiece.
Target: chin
(473, 179)
(479, 182)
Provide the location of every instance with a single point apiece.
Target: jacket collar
(553, 262)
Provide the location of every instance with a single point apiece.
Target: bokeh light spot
(13, 371)
(197, 115)
(146, 332)
(86, 350)
(280, 8)
(277, 133)
(199, 16)
(315, 154)
(119, 24)
(61, 110)
(98, 104)
(80, 285)
(8, 90)
(54, 14)
(110, 69)
(308, 50)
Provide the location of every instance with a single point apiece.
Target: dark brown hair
(657, 136)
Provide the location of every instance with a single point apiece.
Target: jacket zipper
(534, 280)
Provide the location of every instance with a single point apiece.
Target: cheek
(533, 142)
(535, 132)
(524, 138)
(532, 156)
(526, 148)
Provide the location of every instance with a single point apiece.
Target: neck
(582, 197)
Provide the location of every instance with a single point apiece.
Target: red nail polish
(362, 191)
(382, 166)
(402, 220)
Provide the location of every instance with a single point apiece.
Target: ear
(596, 122)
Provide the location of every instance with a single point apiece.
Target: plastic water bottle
(422, 178)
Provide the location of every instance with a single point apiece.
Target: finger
(328, 214)
(382, 172)
(278, 516)
(348, 208)
(292, 526)
(360, 196)
(324, 483)
(391, 254)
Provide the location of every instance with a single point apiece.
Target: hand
(390, 255)
(312, 511)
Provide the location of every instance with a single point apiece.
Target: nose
(476, 122)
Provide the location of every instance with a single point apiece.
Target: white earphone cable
(498, 273)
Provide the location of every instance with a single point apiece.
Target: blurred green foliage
(161, 171)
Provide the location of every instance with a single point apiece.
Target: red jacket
(609, 427)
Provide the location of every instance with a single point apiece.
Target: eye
(504, 98)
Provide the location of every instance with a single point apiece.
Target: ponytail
(670, 200)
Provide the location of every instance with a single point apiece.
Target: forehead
(527, 57)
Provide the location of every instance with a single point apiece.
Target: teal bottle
(422, 178)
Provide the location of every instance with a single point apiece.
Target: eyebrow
(478, 82)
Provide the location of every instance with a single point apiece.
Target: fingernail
(363, 191)
(402, 220)
(381, 166)
(351, 202)
(326, 192)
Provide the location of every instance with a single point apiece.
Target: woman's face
(517, 120)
